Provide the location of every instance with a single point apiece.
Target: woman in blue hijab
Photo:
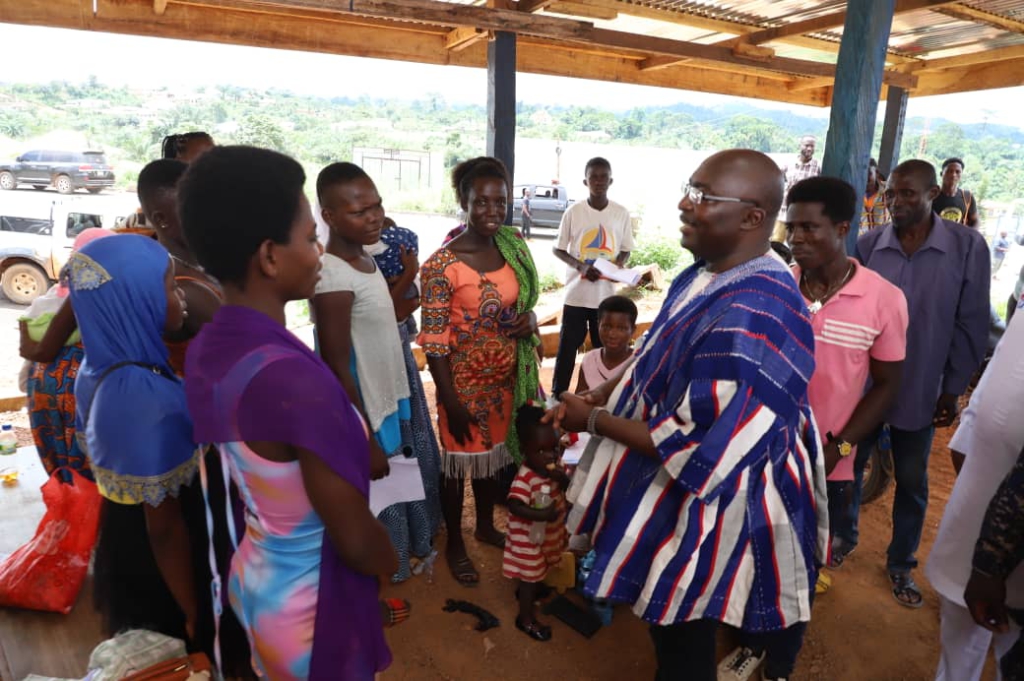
(150, 567)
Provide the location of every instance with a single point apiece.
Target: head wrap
(131, 409)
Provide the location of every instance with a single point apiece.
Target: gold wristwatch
(845, 448)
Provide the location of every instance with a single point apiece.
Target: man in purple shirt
(943, 270)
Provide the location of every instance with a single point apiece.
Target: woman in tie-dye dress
(304, 578)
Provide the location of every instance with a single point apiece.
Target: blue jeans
(910, 451)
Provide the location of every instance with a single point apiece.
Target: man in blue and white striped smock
(704, 493)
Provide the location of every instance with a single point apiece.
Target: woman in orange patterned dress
(478, 291)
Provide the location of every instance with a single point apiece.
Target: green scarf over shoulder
(516, 253)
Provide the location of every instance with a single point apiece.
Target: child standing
(590, 230)
(526, 561)
(616, 324)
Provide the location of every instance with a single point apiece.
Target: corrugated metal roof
(926, 33)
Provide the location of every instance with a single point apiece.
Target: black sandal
(905, 590)
(535, 630)
(464, 572)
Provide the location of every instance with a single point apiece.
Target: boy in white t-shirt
(591, 229)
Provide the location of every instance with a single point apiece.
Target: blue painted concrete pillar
(858, 84)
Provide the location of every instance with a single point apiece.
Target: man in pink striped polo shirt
(860, 329)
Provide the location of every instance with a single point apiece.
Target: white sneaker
(739, 665)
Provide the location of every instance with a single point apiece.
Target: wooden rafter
(972, 59)
(976, 77)
(700, 22)
(555, 28)
(967, 13)
(828, 21)
(159, 6)
(462, 37)
(531, 6)
(583, 9)
(419, 31)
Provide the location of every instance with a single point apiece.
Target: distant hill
(130, 123)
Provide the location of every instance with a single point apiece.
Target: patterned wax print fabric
(51, 399)
(463, 310)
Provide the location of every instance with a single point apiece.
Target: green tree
(259, 130)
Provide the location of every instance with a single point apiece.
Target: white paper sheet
(612, 271)
(571, 455)
(404, 483)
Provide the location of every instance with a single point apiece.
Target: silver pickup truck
(37, 232)
(547, 203)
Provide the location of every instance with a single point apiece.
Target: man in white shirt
(984, 449)
(590, 230)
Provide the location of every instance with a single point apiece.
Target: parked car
(64, 170)
(36, 238)
(547, 203)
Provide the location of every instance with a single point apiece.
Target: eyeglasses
(697, 196)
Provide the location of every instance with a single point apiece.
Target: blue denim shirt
(946, 283)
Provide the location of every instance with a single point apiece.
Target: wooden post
(859, 69)
(892, 130)
(501, 102)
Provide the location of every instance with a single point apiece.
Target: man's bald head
(754, 175)
(728, 216)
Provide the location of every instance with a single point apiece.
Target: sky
(180, 64)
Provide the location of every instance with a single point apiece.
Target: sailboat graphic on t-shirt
(596, 244)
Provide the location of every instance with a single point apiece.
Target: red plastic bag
(47, 572)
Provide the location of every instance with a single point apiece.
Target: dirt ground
(858, 631)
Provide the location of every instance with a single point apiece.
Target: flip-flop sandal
(395, 611)
(535, 630)
(823, 584)
(838, 557)
(905, 590)
(464, 572)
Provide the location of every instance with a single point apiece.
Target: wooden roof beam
(967, 13)
(462, 37)
(825, 22)
(582, 9)
(555, 28)
(802, 84)
(684, 50)
(970, 78)
(433, 12)
(533, 6)
(972, 59)
(635, 9)
(286, 30)
(657, 63)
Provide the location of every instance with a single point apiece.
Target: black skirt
(130, 593)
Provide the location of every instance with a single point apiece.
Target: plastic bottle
(539, 528)
(8, 441)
